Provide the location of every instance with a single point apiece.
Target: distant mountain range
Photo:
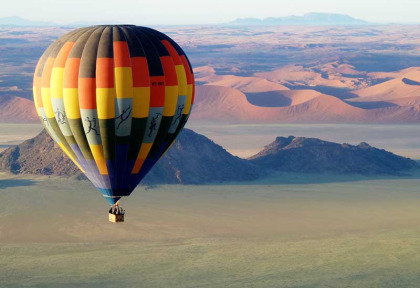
(310, 19)
(18, 21)
(195, 159)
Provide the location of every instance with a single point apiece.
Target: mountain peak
(282, 142)
(290, 142)
(364, 145)
(19, 21)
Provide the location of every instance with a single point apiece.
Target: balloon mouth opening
(112, 200)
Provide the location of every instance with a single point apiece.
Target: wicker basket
(116, 218)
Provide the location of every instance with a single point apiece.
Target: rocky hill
(311, 155)
(193, 159)
(39, 155)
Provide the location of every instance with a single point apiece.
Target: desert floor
(286, 231)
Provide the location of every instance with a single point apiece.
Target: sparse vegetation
(352, 232)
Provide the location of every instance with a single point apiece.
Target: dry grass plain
(286, 231)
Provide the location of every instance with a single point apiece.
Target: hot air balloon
(114, 98)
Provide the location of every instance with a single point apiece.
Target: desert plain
(295, 232)
(344, 84)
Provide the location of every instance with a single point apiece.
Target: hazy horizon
(185, 12)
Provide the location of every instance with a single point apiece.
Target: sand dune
(412, 73)
(208, 75)
(413, 101)
(336, 67)
(290, 73)
(394, 74)
(406, 101)
(203, 71)
(405, 85)
(281, 98)
(329, 109)
(265, 98)
(16, 109)
(222, 103)
(300, 76)
(248, 84)
(325, 108)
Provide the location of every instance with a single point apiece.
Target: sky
(178, 12)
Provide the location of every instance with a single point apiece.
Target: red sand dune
(203, 71)
(216, 102)
(407, 84)
(281, 98)
(413, 101)
(255, 99)
(222, 103)
(406, 101)
(336, 67)
(300, 76)
(16, 109)
(248, 84)
(208, 75)
(290, 73)
(394, 74)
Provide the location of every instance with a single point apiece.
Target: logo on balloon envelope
(117, 96)
(123, 109)
(123, 116)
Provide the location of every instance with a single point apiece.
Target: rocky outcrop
(311, 155)
(192, 159)
(39, 155)
(195, 159)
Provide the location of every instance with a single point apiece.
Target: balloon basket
(116, 218)
(116, 213)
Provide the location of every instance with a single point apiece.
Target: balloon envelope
(114, 98)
